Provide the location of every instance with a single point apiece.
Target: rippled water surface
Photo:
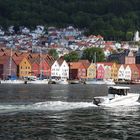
(64, 112)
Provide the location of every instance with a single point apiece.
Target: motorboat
(38, 81)
(117, 95)
(95, 81)
(12, 81)
(109, 82)
(62, 81)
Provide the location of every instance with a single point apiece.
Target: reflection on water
(58, 112)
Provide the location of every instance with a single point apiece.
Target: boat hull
(62, 82)
(38, 82)
(12, 82)
(117, 101)
(95, 82)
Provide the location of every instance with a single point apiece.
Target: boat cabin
(119, 90)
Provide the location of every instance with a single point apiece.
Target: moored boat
(117, 95)
(62, 82)
(109, 82)
(38, 81)
(12, 81)
(95, 81)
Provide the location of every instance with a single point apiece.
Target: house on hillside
(121, 58)
(130, 59)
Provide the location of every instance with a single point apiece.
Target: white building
(55, 69)
(60, 69)
(136, 36)
(64, 70)
(121, 72)
(127, 73)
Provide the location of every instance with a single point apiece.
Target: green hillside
(114, 19)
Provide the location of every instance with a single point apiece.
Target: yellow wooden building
(91, 71)
(114, 71)
(24, 66)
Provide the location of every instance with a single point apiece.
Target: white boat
(12, 82)
(109, 82)
(62, 82)
(44, 81)
(117, 95)
(95, 81)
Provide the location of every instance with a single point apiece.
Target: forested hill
(114, 19)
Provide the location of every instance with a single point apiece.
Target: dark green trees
(71, 57)
(113, 19)
(94, 54)
(53, 53)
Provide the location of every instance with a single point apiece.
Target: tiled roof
(86, 63)
(75, 65)
(2, 53)
(18, 59)
(4, 59)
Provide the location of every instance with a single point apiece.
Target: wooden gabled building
(8, 67)
(23, 66)
(77, 70)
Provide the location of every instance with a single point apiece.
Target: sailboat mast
(95, 63)
(95, 58)
(10, 63)
(40, 63)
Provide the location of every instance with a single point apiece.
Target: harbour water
(64, 112)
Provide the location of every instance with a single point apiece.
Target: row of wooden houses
(23, 65)
(105, 70)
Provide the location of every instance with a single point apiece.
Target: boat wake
(48, 106)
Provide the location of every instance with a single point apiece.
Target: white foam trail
(59, 105)
(49, 105)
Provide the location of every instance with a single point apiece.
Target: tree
(71, 57)
(53, 53)
(89, 54)
(129, 35)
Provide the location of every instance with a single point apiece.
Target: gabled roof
(50, 62)
(86, 63)
(34, 55)
(105, 63)
(75, 65)
(32, 60)
(4, 59)
(60, 61)
(2, 53)
(133, 67)
(18, 59)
